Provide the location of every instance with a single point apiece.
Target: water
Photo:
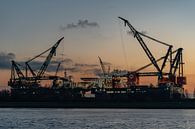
(97, 119)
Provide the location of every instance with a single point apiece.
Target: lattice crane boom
(48, 59)
(102, 66)
(17, 69)
(143, 45)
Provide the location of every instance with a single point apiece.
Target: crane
(102, 66)
(48, 59)
(46, 62)
(15, 67)
(25, 81)
(57, 68)
(31, 70)
(177, 63)
(138, 35)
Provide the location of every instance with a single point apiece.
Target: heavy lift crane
(46, 62)
(15, 69)
(137, 35)
(175, 64)
(26, 80)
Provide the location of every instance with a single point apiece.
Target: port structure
(31, 78)
(170, 84)
(175, 59)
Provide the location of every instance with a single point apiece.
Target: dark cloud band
(68, 64)
(5, 60)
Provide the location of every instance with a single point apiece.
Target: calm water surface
(97, 119)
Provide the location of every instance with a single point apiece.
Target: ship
(115, 89)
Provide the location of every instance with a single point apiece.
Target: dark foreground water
(97, 118)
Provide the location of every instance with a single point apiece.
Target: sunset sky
(91, 28)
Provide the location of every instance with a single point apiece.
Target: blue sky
(25, 21)
(27, 27)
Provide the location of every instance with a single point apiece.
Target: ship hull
(176, 104)
(135, 97)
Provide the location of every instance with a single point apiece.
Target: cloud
(85, 65)
(80, 67)
(72, 69)
(36, 65)
(52, 67)
(5, 60)
(67, 61)
(80, 24)
(95, 68)
(66, 64)
(95, 71)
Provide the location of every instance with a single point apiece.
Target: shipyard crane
(34, 81)
(48, 59)
(169, 85)
(46, 62)
(177, 61)
(138, 35)
(57, 68)
(177, 64)
(15, 67)
(102, 66)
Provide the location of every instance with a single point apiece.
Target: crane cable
(151, 38)
(123, 46)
